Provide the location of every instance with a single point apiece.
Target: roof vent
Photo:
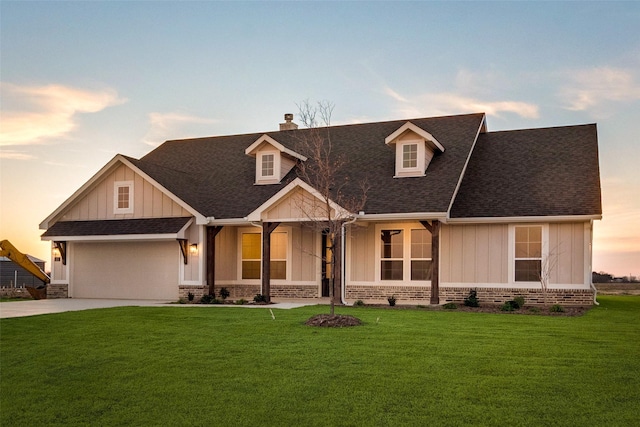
(288, 123)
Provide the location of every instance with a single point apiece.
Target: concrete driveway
(47, 306)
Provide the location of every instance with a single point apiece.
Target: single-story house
(449, 207)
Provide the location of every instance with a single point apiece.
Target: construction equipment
(10, 251)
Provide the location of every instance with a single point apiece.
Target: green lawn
(238, 366)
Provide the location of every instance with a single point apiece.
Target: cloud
(166, 126)
(450, 103)
(587, 89)
(32, 114)
(15, 155)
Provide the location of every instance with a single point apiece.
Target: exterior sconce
(56, 252)
(193, 249)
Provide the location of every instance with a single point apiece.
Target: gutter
(343, 272)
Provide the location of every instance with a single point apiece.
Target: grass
(238, 366)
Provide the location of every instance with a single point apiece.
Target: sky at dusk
(83, 81)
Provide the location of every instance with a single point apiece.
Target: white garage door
(131, 270)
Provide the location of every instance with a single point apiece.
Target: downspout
(343, 293)
(595, 290)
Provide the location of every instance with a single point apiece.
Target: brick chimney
(288, 123)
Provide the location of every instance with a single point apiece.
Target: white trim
(414, 216)
(466, 163)
(266, 138)
(119, 158)
(256, 215)
(406, 228)
(421, 132)
(252, 230)
(511, 252)
(117, 185)
(525, 219)
(268, 179)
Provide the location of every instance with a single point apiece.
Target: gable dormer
(414, 147)
(273, 160)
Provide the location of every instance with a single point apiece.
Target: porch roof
(117, 227)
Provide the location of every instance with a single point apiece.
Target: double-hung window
(528, 253)
(268, 165)
(252, 255)
(405, 254)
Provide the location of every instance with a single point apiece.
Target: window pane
(391, 270)
(279, 246)
(391, 244)
(410, 156)
(278, 269)
(528, 242)
(251, 246)
(250, 269)
(420, 270)
(267, 164)
(123, 197)
(528, 270)
(420, 244)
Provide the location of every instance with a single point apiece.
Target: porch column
(267, 229)
(212, 232)
(434, 229)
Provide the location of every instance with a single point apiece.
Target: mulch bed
(333, 321)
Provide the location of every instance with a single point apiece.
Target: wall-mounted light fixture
(56, 252)
(193, 249)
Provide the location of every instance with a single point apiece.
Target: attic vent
(288, 123)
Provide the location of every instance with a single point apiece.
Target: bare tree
(547, 267)
(326, 172)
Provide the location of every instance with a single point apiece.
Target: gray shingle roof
(532, 172)
(117, 227)
(215, 177)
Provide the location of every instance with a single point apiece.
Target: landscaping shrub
(392, 300)
(450, 306)
(556, 308)
(472, 299)
(209, 299)
(519, 300)
(509, 306)
(224, 293)
(190, 296)
(359, 303)
(259, 298)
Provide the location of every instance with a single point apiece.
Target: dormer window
(267, 166)
(409, 156)
(268, 162)
(414, 148)
(273, 160)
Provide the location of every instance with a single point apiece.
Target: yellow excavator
(10, 251)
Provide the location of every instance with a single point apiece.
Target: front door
(327, 266)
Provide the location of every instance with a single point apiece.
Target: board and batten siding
(567, 243)
(361, 243)
(475, 253)
(148, 201)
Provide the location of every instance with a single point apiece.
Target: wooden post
(435, 262)
(267, 229)
(434, 229)
(212, 232)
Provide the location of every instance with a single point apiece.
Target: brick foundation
(422, 295)
(55, 291)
